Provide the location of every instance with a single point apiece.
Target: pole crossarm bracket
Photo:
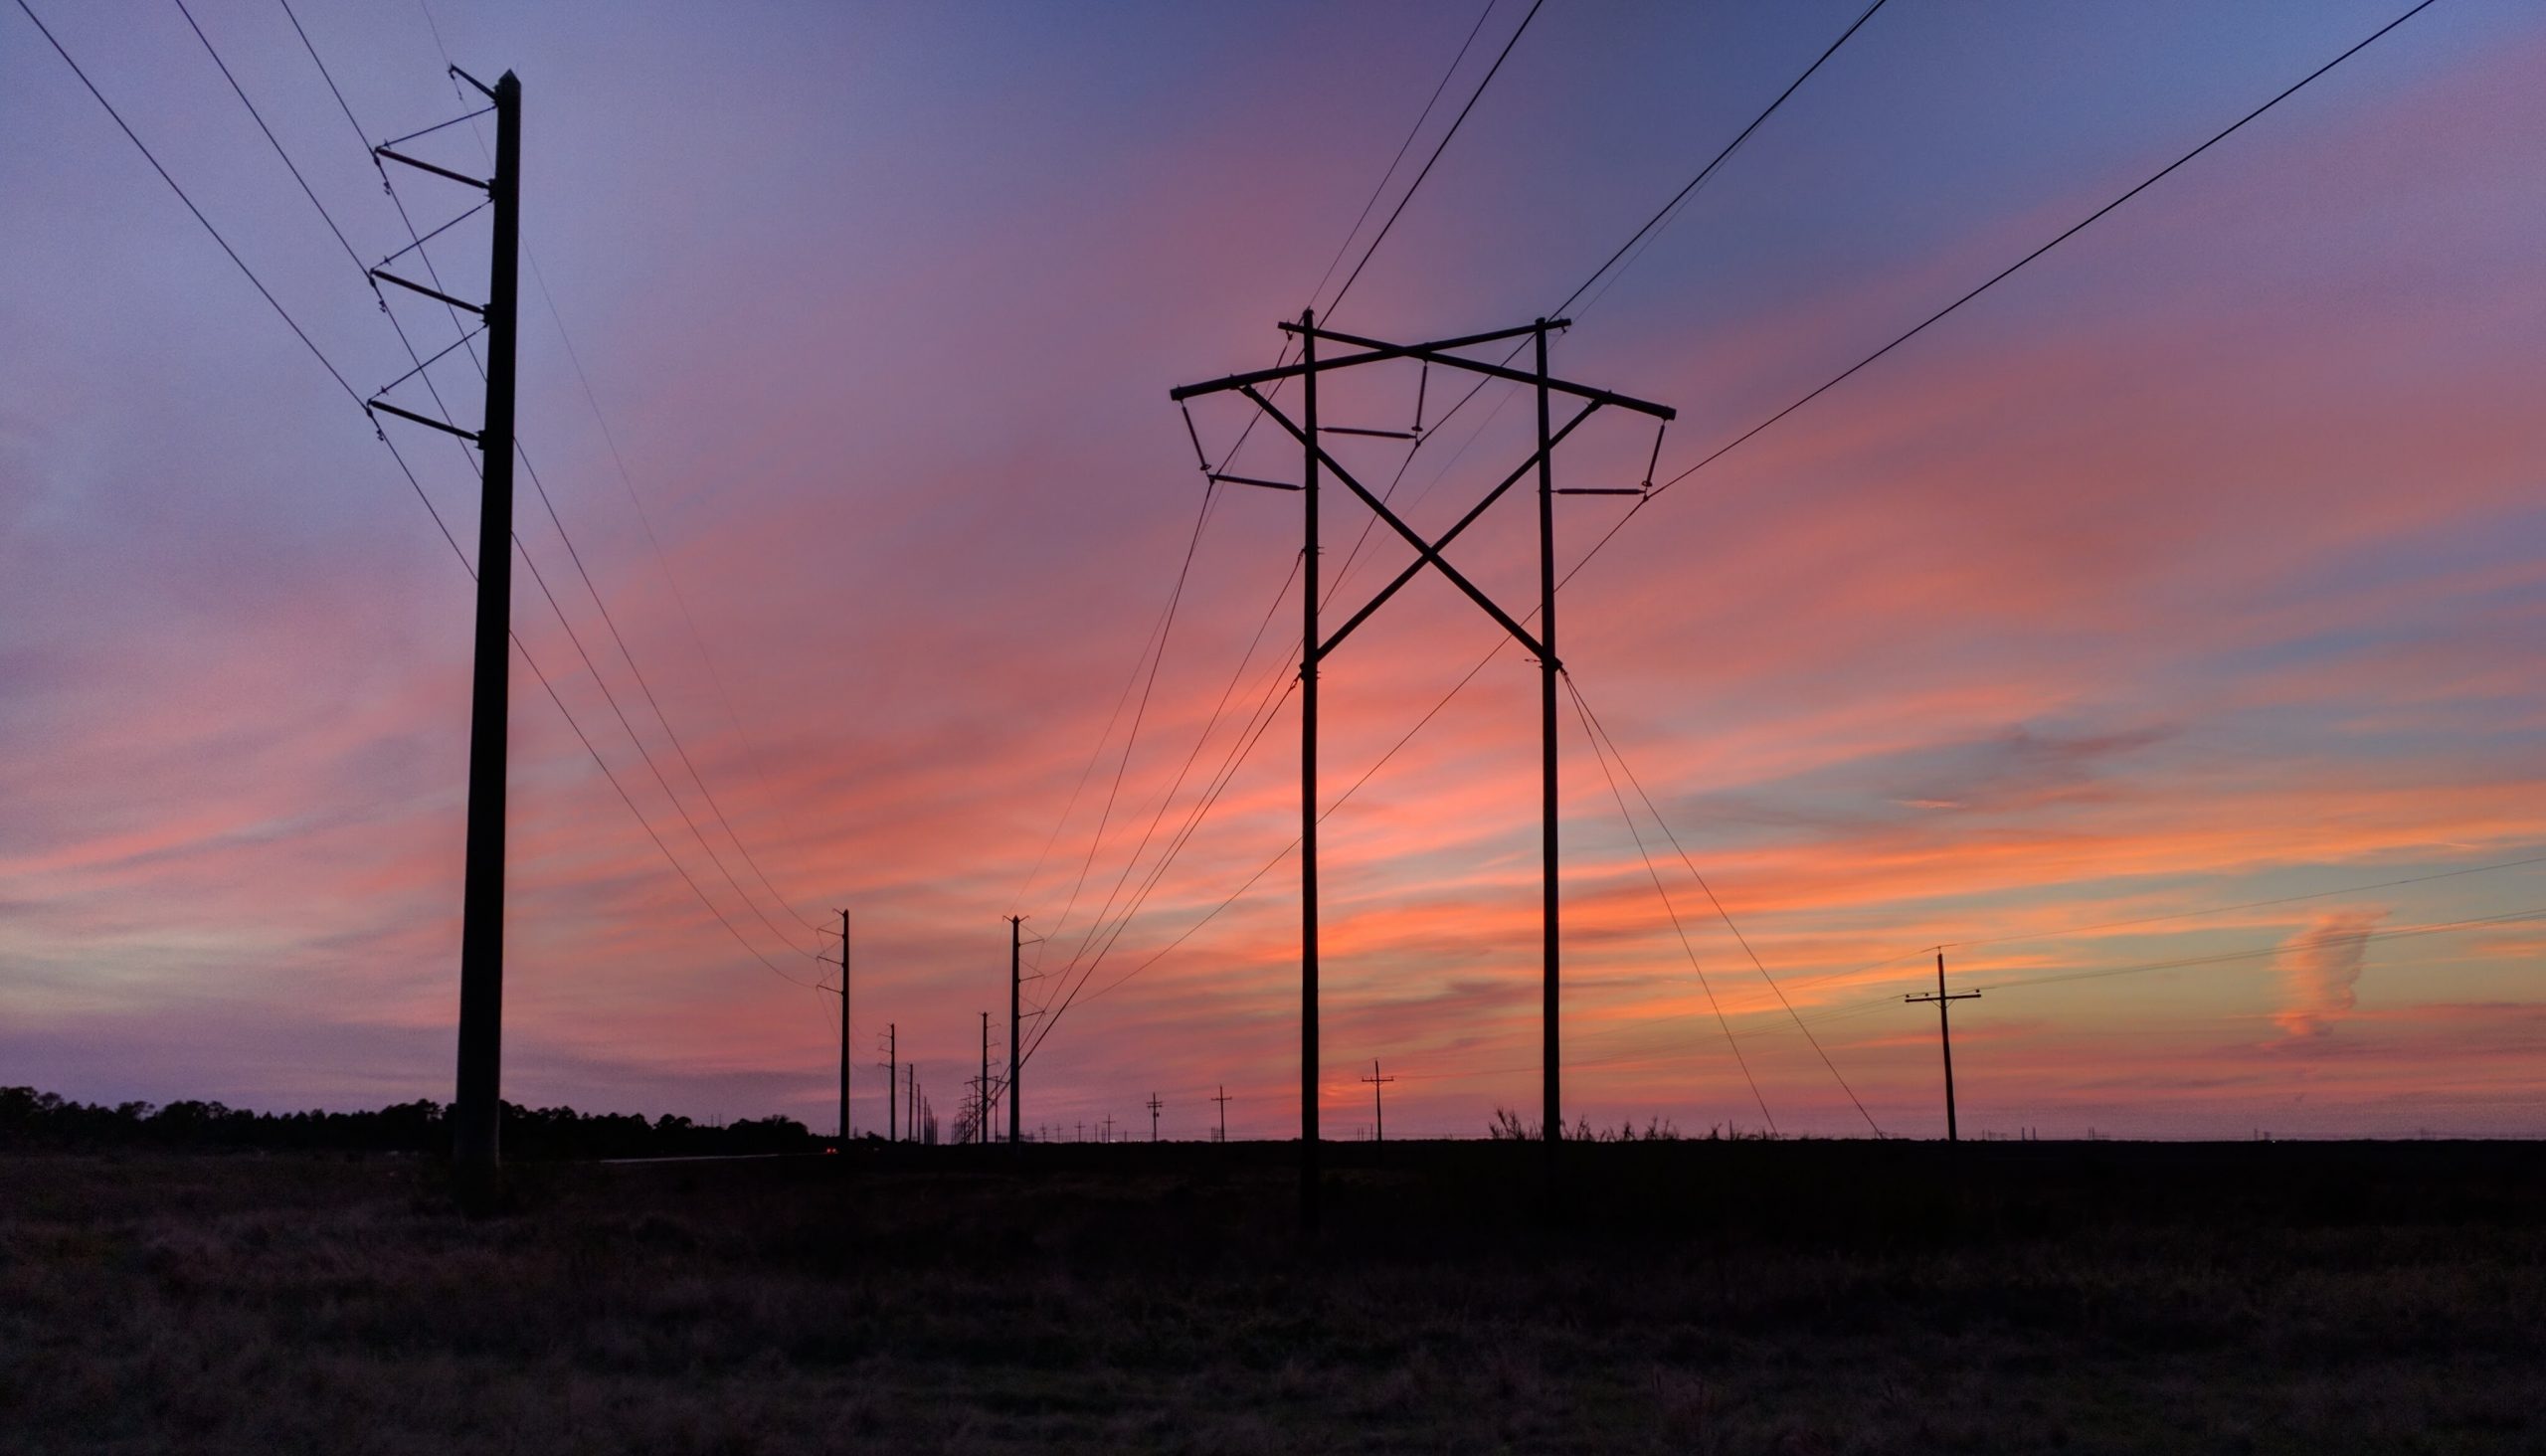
(1414, 568)
(1932, 995)
(1413, 537)
(1433, 354)
(463, 178)
(1378, 353)
(386, 277)
(386, 407)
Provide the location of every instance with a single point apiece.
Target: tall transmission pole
(1945, 1036)
(1551, 1064)
(844, 1034)
(1015, 1105)
(477, 1110)
(1378, 1108)
(1309, 654)
(1154, 1104)
(1314, 648)
(1223, 1100)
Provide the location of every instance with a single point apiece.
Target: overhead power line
(416, 243)
(1083, 970)
(339, 376)
(1671, 910)
(2010, 269)
(1599, 545)
(662, 561)
(1444, 145)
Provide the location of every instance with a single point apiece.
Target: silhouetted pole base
(480, 1189)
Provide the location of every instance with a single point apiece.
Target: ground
(1692, 1296)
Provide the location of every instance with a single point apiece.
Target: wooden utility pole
(843, 1033)
(1154, 1106)
(1223, 1100)
(1015, 1108)
(1378, 1111)
(892, 1080)
(477, 1104)
(1310, 650)
(981, 1090)
(1945, 1036)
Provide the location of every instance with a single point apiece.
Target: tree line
(30, 1119)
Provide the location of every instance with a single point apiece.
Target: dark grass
(1789, 1297)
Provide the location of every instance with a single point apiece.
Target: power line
(1240, 444)
(618, 460)
(339, 375)
(1671, 910)
(1630, 514)
(1600, 730)
(2074, 229)
(1402, 148)
(2402, 932)
(1659, 218)
(1708, 169)
(1455, 122)
(417, 242)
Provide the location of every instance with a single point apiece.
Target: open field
(1804, 1297)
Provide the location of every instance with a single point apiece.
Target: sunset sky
(2193, 578)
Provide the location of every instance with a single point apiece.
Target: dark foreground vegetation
(1685, 1296)
(30, 1119)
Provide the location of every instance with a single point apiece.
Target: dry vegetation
(1702, 1297)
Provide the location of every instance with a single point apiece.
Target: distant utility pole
(910, 1097)
(1015, 1108)
(892, 1080)
(1223, 1100)
(1945, 1036)
(477, 1113)
(1313, 647)
(843, 1033)
(1108, 1135)
(1379, 1112)
(981, 1102)
(1154, 1106)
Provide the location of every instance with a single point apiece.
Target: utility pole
(981, 1093)
(1378, 1110)
(1551, 1064)
(478, 1111)
(844, 1034)
(892, 1080)
(1309, 650)
(1223, 1101)
(1945, 1036)
(1154, 1106)
(1108, 1135)
(1313, 647)
(910, 1097)
(1015, 1108)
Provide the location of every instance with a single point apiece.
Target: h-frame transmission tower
(1315, 648)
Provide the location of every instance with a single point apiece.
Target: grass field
(1734, 1297)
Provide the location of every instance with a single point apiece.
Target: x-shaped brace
(1426, 551)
